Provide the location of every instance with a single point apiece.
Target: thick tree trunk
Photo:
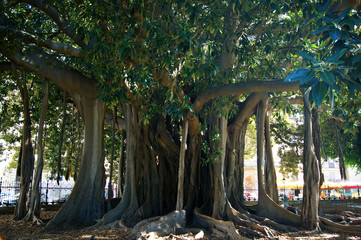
(194, 165)
(311, 177)
(86, 202)
(266, 207)
(234, 182)
(34, 208)
(182, 165)
(239, 180)
(270, 171)
(219, 192)
(27, 157)
(340, 153)
(129, 203)
(316, 137)
(235, 150)
(121, 167)
(260, 123)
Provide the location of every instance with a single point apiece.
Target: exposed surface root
(336, 227)
(267, 208)
(159, 226)
(249, 226)
(224, 228)
(37, 221)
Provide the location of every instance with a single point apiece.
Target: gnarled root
(160, 226)
(268, 208)
(216, 226)
(249, 226)
(336, 227)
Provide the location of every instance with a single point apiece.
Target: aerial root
(217, 226)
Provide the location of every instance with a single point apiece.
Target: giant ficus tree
(180, 71)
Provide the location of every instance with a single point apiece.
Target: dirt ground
(10, 229)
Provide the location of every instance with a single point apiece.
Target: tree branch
(246, 110)
(59, 47)
(57, 18)
(243, 88)
(284, 140)
(62, 75)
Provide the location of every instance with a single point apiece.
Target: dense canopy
(182, 79)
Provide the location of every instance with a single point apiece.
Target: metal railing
(51, 192)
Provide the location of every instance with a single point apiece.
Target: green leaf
(310, 83)
(305, 80)
(297, 75)
(306, 55)
(337, 62)
(353, 42)
(319, 92)
(309, 20)
(344, 13)
(335, 34)
(321, 29)
(336, 56)
(356, 59)
(328, 77)
(327, 4)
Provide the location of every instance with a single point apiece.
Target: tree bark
(129, 203)
(86, 202)
(194, 165)
(316, 137)
(27, 157)
(180, 191)
(34, 208)
(219, 194)
(311, 177)
(235, 150)
(260, 123)
(270, 171)
(266, 207)
(121, 167)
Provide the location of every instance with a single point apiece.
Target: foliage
(350, 143)
(332, 53)
(161, 55)
(250, 150)
(290, 162)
